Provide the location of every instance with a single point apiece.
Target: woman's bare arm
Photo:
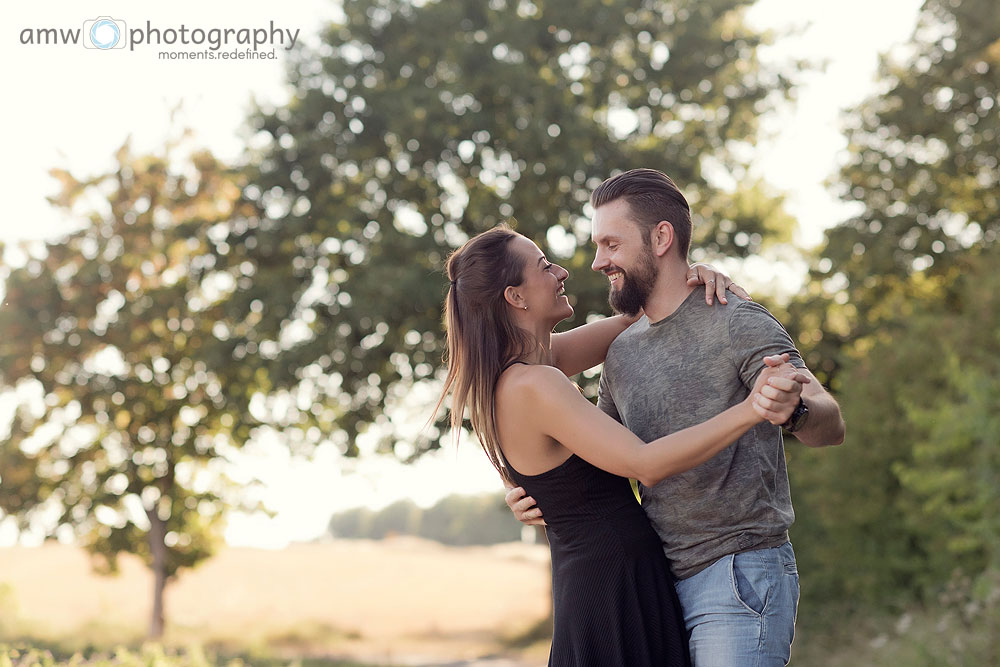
(586, 346)
(553, 405)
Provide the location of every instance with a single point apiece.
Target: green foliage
(923, 174)
(901, 320)
(400, 518)
(954, 474)
(353, 523)
(956, 469)
(19, 655)
(913, 493)
(468, 520)
(114, 343)
(416, 125)
(925, 153)
(454, 520)
(958, 629)
(149, 655)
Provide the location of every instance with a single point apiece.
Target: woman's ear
(513, 297)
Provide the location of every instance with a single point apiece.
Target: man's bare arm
(824, 426)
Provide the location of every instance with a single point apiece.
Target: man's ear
(662, 238)
(513, 297)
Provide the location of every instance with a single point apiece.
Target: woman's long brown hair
(482, 337)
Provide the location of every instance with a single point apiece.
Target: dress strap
(511, 363)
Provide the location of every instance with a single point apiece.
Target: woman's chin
(562, 312)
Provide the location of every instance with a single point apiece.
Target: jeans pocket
(788, 559)
(749, 583)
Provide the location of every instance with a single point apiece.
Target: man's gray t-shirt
(662, 377)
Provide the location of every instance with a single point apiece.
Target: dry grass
(396, 600)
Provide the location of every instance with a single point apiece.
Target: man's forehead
(612, 222)
(605, 232)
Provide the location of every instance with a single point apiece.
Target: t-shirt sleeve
(604, 400)
(754, 334)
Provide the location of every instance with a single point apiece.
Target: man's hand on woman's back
(523, 507)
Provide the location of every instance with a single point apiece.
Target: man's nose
(600, 261)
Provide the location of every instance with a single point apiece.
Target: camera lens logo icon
(104, 33)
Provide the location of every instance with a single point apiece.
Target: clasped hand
(777, 390)
(774, 397)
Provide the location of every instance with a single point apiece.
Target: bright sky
(72, 107)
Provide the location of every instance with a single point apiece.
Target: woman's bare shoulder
(530, 383)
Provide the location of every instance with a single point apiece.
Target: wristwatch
(798, 419)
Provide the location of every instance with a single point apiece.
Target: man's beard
(637, 285)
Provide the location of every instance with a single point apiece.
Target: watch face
(798, 419)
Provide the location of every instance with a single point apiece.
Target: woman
(614, 601)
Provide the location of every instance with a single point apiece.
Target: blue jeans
(740, 611)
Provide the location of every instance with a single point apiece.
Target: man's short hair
(651, 197)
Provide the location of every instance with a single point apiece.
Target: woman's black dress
(613, 595)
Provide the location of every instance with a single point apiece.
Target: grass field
(398, 601)
(401, 601)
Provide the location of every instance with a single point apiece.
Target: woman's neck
(541, 352)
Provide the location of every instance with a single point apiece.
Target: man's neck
(669, 293)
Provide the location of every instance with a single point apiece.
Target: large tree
(113, 339)
(415, 125)
(899, 321)
(922, 174)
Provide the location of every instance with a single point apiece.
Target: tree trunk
(158, 549)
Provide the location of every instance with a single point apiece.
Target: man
(724, 524)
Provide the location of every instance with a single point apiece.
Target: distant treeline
(455, 520)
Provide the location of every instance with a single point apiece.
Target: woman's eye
(549, 266)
